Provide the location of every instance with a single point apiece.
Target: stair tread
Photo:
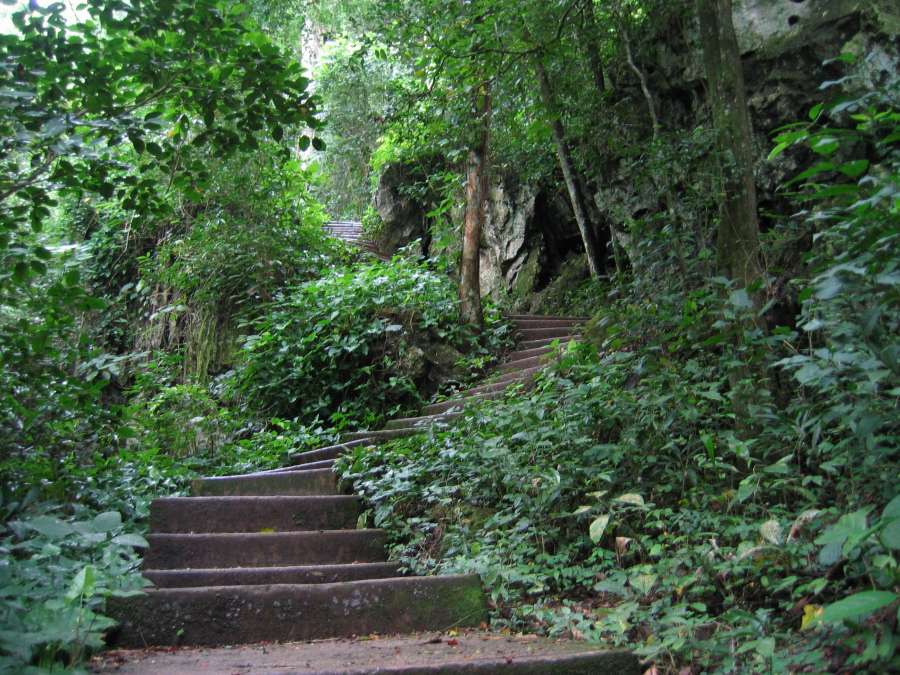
(467, 651)
(283, 612)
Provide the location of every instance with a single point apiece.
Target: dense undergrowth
(710, 479)
(699, 483)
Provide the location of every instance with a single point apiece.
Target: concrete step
(381, 436)
(422, 423)
(544, 317)
(528, 353)
(240, 614)
(296, 483)
(328, 452)
(324, 464)
(459, 403)
(253, 514)
(546, 323)
(527, 334)
(280, 549)
(259, 576)
(532, 344)
(466, 652)
(526, 364)
(509, 379)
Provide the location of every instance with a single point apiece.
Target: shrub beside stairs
(276, 556)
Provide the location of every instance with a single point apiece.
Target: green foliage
(692, 485)
(54, 578)
(348, 347)
(159, 76)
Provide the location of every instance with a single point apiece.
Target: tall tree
(738, 232)
(477, 181)
(574, 183)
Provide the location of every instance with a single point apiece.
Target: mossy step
(526, 364)
(532, 344)
(279, 549)
(297, 483)
(527, 353)
(221, 615)
(545, 317)
(258, 576)
(182, 515)
(459, 403)
(381, 436)
(527, 334)
(465, 651)
(327, 452)
(546, 323)
(509, 379)
(422, 423)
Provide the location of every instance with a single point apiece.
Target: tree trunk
(595, 256)
(592, 48)
(648, 97)
(476, 195)
(738, 232)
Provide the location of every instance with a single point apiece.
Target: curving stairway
(277, 556)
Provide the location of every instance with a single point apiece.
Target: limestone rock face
(530, 230)
(506, 241)
(402, 216)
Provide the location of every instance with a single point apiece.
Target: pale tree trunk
(574, 184)
(476, 196)
(645, 89)
(738, 233)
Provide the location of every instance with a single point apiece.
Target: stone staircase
(275, 555)
(351, 232)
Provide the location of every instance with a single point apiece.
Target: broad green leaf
(50, 527)
(848, 524)
(630, 498)
(108, 521)
(598, 527)
(857, 606)
(643, 583)
(892, 510)
(771, 531)
(135, 540)
(83, 584)
(855, 168)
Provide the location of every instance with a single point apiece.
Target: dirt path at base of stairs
(468, 652)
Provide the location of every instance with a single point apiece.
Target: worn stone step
(514, 377)
(421, 423)
(324, 464)
(467, 652)
(283, 612)
(526, 364)
(327, 452)
(527, 334)
(279, 549)
(546, 323)
(545, 317)
(532, 344)
(258, 576)
(381, 436)
(459, 403)
(289, 468)
(527, 353)
(174, 515)
(299, 483)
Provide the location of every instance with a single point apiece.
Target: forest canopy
(708, 476)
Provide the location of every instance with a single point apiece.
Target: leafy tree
(161, 76)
